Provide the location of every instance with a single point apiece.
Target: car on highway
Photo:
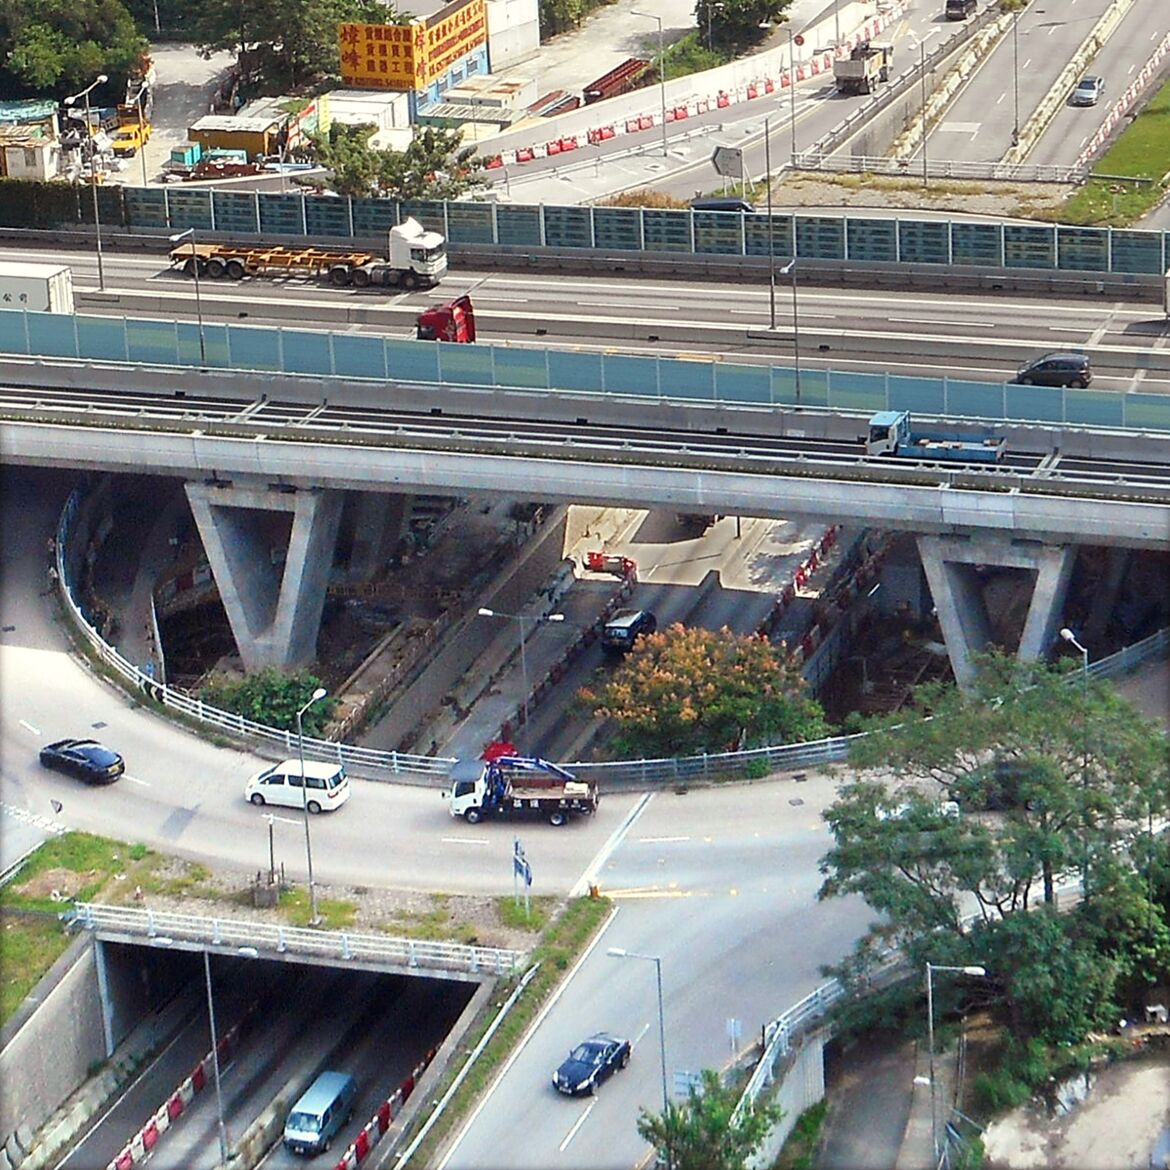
(86, 759)
(1056, 369)
(591, 1062)
(1087, 91)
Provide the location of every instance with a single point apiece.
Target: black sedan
(86, 759)
(590, 1063)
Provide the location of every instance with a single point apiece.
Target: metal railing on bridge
(162, 929)
(810, 160)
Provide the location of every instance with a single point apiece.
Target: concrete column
(271, 552)
(1054, 567)
(958, 601)
(378, 520)
(1105, 595)
(950, 564)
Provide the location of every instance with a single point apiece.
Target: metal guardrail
(936, 168)
(163, 929)
(375, 765)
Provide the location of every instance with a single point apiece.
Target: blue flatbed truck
(891, 433)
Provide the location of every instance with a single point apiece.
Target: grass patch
(1141, 153)
(513, 915)
(335, 913)
(691, 55)
(561, 942)
(28, 948)
(76, 865)
(800, 1147)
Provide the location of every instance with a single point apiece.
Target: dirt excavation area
(1113, 1118)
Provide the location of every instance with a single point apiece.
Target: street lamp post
(140, 102)
(97, 222)
(792, 89)
(520, 619)
(930, 969)
(771, 240)
(1016, 78)
(319, 693)
(789, 269)
(223, 1138)
(922, 79)
(1071, 639)
(661, 68)
(622, 953)
(190, 232)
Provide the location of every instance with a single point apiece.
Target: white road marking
(549, 1004)
(463, 840)
(936, 321)
(135, 780)
(577, 1125)
(29, 727)
(615, 839)
(650, 840)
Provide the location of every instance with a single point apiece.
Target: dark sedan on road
(86, 759)
(590, 1063)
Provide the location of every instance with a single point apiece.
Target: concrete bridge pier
(271, 551)
(951, 565)
(374, 523)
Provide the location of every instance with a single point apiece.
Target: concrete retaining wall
(532, 566)
(52, 1042)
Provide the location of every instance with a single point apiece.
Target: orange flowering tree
(685, 691)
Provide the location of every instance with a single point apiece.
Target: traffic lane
(751, 887)
(170, 1066)
(1121, 57)
(1029, 321)
(380, 1055)
(978, 122)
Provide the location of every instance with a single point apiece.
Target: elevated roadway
(953, 334)
(748, 462)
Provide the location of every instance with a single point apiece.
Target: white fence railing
(383, 765)
(161, 929)
(1006, 172)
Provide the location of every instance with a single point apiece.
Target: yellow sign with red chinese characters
(410, 56)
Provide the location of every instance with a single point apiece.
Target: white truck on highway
(38, 288)
(517, 786)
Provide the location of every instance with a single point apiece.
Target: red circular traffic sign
(798, 39)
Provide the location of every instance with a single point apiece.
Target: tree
(272, 698)
(704, 1132)
(684, 691)
(737, 22)
(1054, 775)
(58, 47)
(434, 166)
(290, 40)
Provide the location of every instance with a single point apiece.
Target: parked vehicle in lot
(325, 787)
(130, 138)
(1088, 91)
(518, 786)
(625, 628)
(1057, 369)
(591, 1062)
(321, 1110)
(86, 759)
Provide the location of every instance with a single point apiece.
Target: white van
(324, 1107)
(326, 786)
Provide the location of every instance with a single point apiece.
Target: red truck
(454, 321)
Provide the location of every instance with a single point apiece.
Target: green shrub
(272, 698)
(999, 1091)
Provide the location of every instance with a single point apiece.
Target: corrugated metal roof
(33, 110)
